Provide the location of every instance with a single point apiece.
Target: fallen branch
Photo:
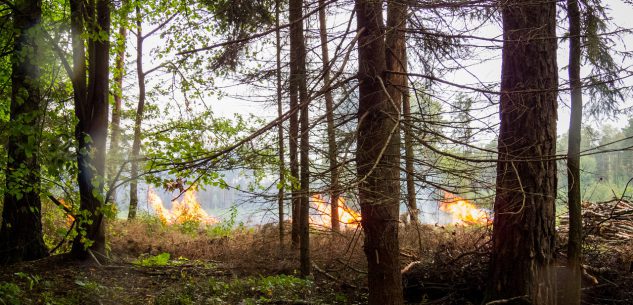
(510, 300)
(331, 277)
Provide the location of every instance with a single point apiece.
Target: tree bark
(297, 46)
(91, 109)
(280, 132)
(293, 145)
(408, 158)
(523, 231)
(377, 157)
(571, 293)
(329, 113)
(140, 109)
(21, 232)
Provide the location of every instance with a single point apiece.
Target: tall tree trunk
(571, 293)
(293, 145)
(91, 109)
(329, 113)
(119, 72)
(140, 109)
(408, 157)
(396, 57)
(21, 231)
(297, 46)
(280, 132)
(377, 158)
(523, 231)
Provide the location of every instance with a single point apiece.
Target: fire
(187, 209)
(463, 211)
(348, 217)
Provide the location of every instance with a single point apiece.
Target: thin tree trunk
(524, 233)
(280, 133)
(136, 144)
(408, 151)
(329, 112)
(293, 146)
(91, 109)
(21, 232)
(119, 64)
(571, 293)
(297, 46)
(377, 158)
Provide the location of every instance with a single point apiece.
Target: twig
(507, 301)
(94, 257)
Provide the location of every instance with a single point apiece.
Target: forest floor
(151, 263)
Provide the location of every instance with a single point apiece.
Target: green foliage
(251, 290)
(190, 226)
(154, 261)
(10, 294)
(606, 163)
(225, 227)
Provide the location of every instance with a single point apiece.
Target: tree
(571, 291)
(293, 134)
(522, 264)
(408, 154)
(140, 108)
(329, 112)
(21, 232)
(280, 131)
(119, 72)
(298, 80)
(378, 149)
(90, 25)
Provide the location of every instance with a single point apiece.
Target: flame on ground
(187, 209)
(464, 211)
(347, 217)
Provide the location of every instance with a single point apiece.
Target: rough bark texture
(280, 132)
(523, 230)
(293, 145)
(91, 109)
(571, 291)
(21, 231)
(377, 158)
(138, 121)
(329, 113)
(297, 46)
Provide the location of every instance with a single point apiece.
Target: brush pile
(608, 223)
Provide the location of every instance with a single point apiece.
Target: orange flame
(463, 211)
(347, 217)
(69, 218)
(188, 209)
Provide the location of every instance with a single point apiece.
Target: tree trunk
(21, 231)
(280, 133)
(91, 109)
(523, 231)
(136, 144)
(297, 46)
(377, 158)
(329, 113)
(293, 145)
(571, 292)
(408, 158)
(119, 64)
(396, 58)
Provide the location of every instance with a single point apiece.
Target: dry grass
(455, 255)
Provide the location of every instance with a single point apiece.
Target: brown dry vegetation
(211, 266)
